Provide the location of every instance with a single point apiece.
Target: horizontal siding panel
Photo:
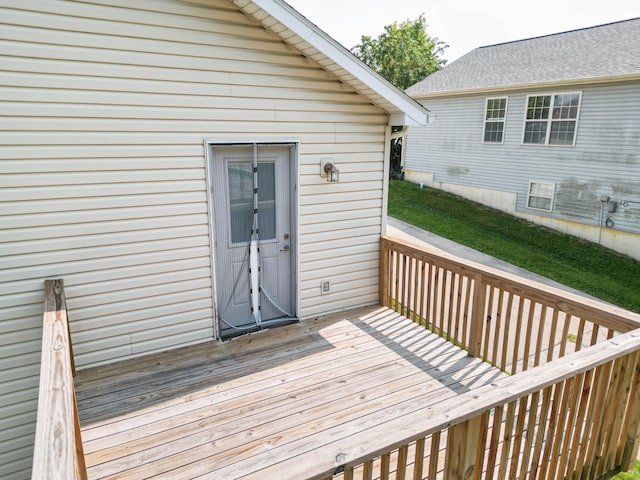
(137, 309)
(338, 207)
(315, 231)
(329, 215)
(367, 238)
(38, 138)
(184, 92)
(80, 254)
(119, 21)
(134, 294)
(51, 206)
(340, 262)
(96, 264)
(95, 165)
(199, 104)
(98, 190)
(84, 178)
(88, 283)
(354, 249)
(152, 313)
(371, 264)
(111, 132)
(21, 335)
(368, 271)
(353, 114)
(148, 328)
(340, 300)
(345, 196)
(83, 152)
(337, 188)
(17, 361)
(89, 69)
(21, 419)
(117, 219)
(318, 240)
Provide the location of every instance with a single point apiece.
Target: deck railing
(578, 417)
(511, 322)
(58, 451)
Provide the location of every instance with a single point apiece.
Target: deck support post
(477, 316)
(465, 446)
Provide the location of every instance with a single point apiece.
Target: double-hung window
(552, 119)
(494, 116)
(540, 195)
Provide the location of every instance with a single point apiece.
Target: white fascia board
(412, 113)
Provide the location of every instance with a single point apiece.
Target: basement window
(552, 119)
(494, 115)
(540, 196)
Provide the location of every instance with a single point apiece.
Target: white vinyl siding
(604, 161)
(105, 106)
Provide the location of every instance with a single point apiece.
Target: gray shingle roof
(600, 52)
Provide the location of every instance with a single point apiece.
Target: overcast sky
(463, 24)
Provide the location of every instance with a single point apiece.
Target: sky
(463, 24)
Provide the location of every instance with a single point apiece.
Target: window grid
(552, 119)
(495, 113)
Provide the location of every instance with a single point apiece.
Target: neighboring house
(546, 128)
(130, 133)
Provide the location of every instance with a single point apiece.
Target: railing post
(58, 450)
(465, 449)
(384, 272)
(477, 315)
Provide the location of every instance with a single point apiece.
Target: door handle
(285, 248)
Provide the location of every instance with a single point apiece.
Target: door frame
(294, 198)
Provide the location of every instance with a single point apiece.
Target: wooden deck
(230, 410)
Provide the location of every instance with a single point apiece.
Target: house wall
(449, 154)
(105, 106)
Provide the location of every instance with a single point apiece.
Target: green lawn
(577, 263)
(632, 475)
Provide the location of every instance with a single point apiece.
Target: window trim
(504, 119)
(551, 198)
(550, 119)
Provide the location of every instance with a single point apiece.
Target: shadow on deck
(210, 409)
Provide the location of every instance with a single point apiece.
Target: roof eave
(530, 86)
(396, 103)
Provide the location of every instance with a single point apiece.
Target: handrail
(58, 451)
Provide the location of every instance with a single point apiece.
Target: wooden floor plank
(233, 409)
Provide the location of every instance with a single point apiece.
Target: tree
(404, 54)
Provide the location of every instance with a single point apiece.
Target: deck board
(231, 410)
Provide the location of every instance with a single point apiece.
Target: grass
(631, 475)
(577, 263)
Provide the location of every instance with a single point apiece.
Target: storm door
(252, 201)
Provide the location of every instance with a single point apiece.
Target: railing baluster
(434, 455)
(385, 466)
(401, 468)
(477, 316)
(516, 341)
(419, 459)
